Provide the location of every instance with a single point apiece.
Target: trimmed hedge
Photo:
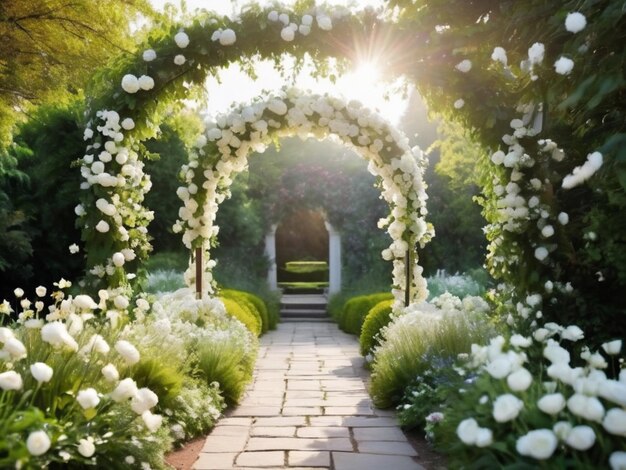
(357, 308)
(242, 311)
(252, 302)
(377, 318)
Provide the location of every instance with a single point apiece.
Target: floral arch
(140, 88)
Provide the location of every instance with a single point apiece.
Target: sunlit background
(366, 83)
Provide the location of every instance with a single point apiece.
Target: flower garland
(224, 148)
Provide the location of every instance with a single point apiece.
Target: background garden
(516, 358)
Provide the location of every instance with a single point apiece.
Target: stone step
(315, 307)
(305, 320)
(302, 313)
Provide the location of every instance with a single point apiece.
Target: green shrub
(164, 380)
(252, 301)
(377, 318)
(356, 309)
(221, 362)
(249, 317)
(335, 305)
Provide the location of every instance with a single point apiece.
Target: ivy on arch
(223, 151)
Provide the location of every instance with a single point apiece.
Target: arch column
(334, 259)
(270, 252)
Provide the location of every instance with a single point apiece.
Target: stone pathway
(307, 408)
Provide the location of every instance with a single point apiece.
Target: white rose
(19, 292)
(614, 391)
(581, 438)
(110, 373)
(467, 430)
(10, 380)
(130, 83)
(88, 398)
(458, 104)
(556, 354)
(15, 348)
(143, 400)
(536, 53)
(272, 15)
(612, 347)
(575, 22)
(564, 66)
(562, 429)
(572, 333)
(181, 39)
(86, 447)
(464, 66)
(541, 253)
(128, 352)
(40, 291)
(552, 403)
(84, 302)
(118, 259)
(41, 372)
(484, 437)
(307, 20)
(179, 59)
(149, 55)
(57, 335)
(126, 389)
(500, 367)
(324, 22)
(152, 422)
(228, 37)
(519, 380)
(539, 444)
(102, 226)
(128, 124)
(121, 302)
(287, 34)
(615, 421)
(617, 460)
(506, 407)
(38, 443)
(586, 407)
(74, 248)
(277, 106)
(520, 341)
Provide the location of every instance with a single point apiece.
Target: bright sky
(362, 84)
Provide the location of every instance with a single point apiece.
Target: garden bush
(445, 328)
(377, 318)
(355, 310)
(252, 302)
(239, 307)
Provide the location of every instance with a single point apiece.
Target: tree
(50, 48)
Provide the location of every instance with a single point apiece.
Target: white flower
(564, 66)
(572, 333)
(614, 391)
(130, 83)
(467, 430)
(499, 55)
(519, 380)
(102, 226)
(617, 460)
(520, 341)
(464, 66)
(118, 259)
(272, 15)
(110, 373)
(539, 444)
(324, 22)
(128, 352)
(562, 429)
(121, 302)
(10, 380)
(228, 37)
(283, 18)
(612, 347)
(307, 20)
(88, 134)
(287, 34)
(179, 59)
(458, 104)
(615, 421)
(552, 403)
(149, 55)
(541, 253)
(146, 82)
(84, 302)
(586, 407)
(86, 447)
(96, 344)
(57, 335)
(506, 407)
(277, 106)
(536, 53)
(41, 372)
(152, 422)
(38, 443)
(484, 437)
(563, 218)
(126, 389)
(74, 248)
(128, 124)
(500, 367)
(88, 398)
(575, 22)
(143, 400)
(19, 292)
(15, 348)
(581, 438)
(580, 174)
(40, 291)
(143, 304)
(547, 231)
(181, 39)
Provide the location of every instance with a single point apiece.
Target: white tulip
(10, 380)
(110, 373)
(539, 444)
(581, 438)
(130, 84)
(38, 443)
(552, 403)
(128, 352)
(41, 372)
(126, 389)
(86, 447)
(88, 398)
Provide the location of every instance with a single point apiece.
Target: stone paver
(308, 408)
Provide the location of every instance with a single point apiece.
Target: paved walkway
(308, 407)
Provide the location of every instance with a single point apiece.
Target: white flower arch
(223, 151)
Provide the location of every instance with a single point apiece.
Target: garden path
(308, 407)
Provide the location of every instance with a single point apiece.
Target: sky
(363, 84)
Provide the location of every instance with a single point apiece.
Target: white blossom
(464, 66)
(102, 226)
(84, 302)
(128, 124)
(536, 53)
(38, 443)
(287, 34)
(563, 218)
(127, 388)
(615, 421)
(127, 351)
(563, 66)
(617, 460)
(499, 55)
(118, 259)
(88, 398)
(324, 22)
(539, 444)
(152, 421)
(541, 253)
(551, 404)
(110, 373)
(143, 400)
(41, 372)
(458, 104)
(612, 347)
(86, 447)
(506, 407)
(10, 380)
(581, 438)
(74, 248)
(130, 84)
(179, 59)
(149, 55)
(582, 173)
(575, 22)
(181, 39)
(519, 380)
(228, 37)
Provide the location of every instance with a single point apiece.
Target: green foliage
(357, 308)
(377, 318)
(221, 362)
(164, 380)
(198, 408)
(251, 302)
(239, 309)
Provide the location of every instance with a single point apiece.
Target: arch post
(270, 253)
(334, 260)
(199, 272)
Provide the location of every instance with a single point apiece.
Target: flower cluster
(227, 143)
